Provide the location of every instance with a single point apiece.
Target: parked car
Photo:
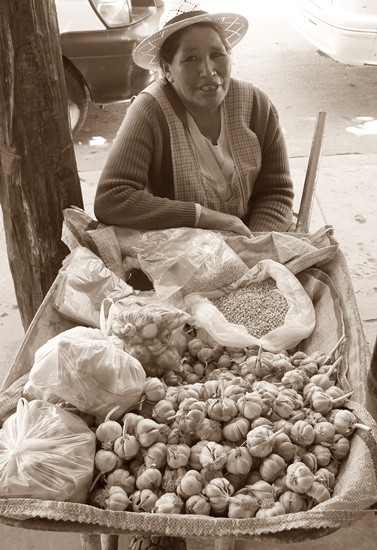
(345, 30)
(97, 40)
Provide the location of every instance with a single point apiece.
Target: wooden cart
(47, 323)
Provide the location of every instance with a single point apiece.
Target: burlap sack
(113, 244)
(356, 488)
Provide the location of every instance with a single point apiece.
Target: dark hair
(170, 46)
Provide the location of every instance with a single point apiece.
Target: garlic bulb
(323, 454)
(340, 447)
(194, 461)
(163, 411)
(277, 509)
(299, 478)
(292, 502)
(210, 430)
(218, 491)
(154, 389)
(213, 455)
(178, 455)
(149, 478)
(250, 405)
(122, 478)
(272, 467)
(319, 492)
(126, 446)
(324, 432)
(147, 431)
(242, 506)
(190, 484)
(156, 455)
(302, 433)
(117, 499)
(168, 503)
(236, 429)
(345, 422)
(109, 430)
(198, 505)
(144, 500)
(260, 441)
(222, 409)
(239, 461)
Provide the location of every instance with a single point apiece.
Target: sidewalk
(346, 198)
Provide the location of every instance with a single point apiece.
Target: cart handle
(306, 204)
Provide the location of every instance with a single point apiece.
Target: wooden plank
(90, 541)
(210, 543)
(109, 542)
(306, 204)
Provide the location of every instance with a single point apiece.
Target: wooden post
(89, 541)
(38, 171)
(193, 543)
(307, 198)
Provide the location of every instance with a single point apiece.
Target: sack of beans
(183, 260)
(267, 307)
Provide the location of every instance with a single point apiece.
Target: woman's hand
(210, 219)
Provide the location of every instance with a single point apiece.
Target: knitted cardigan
(152, 176)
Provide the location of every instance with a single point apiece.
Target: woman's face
(200, 69)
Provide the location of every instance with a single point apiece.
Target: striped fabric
(189, 182)
(262, 189)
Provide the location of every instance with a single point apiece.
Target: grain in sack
(259, 307)
(280, 317)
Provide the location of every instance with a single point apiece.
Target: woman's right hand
(211, 219)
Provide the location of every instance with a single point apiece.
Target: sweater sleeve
(123, 197)
(270, 207)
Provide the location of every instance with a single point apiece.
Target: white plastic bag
(182, 260)
(298, 324)
(45, 453)
(84, 282)
(89, 370)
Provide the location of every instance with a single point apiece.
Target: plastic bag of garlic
(267, 307)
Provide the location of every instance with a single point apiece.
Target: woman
(197, 148)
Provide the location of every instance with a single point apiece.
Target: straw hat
(182, 13)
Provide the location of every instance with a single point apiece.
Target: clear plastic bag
(183, 260)
(299, 321)
(88, 369)
(84, 282)
(151, 331)
(45, 453)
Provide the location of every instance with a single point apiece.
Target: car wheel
(77, 98)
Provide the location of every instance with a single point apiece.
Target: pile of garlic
(241, 433)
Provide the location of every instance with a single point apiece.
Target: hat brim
(147, 53)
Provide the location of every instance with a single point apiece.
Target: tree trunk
(38, 171)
